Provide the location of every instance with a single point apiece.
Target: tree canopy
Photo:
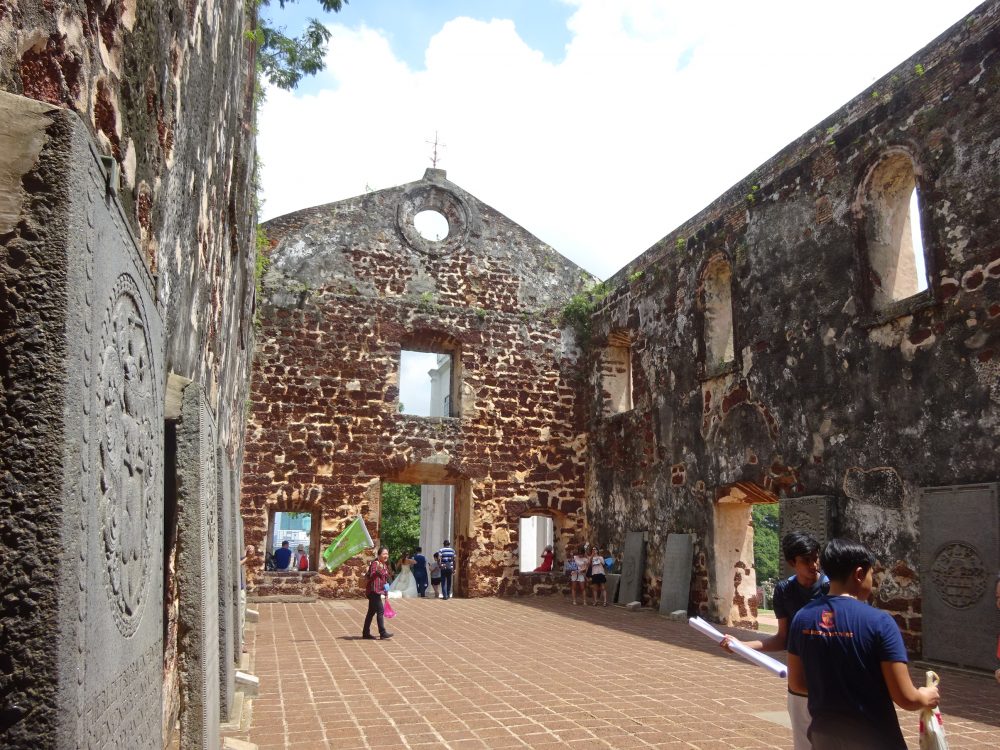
(284, 60)
(766, 554)
(400, 527)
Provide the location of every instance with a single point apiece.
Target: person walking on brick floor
(849, 658)
(446, 558)
(376, 581)
(420, 571)
(435, 570)
(801, 553)
(598, 579)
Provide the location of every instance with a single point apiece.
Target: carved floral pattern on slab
(128, 453)
(959, 575)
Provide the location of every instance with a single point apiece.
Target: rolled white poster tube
(755, 657)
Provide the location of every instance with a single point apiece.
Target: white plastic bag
(931, 725)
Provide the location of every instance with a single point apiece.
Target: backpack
(448, 561)
(303, 562)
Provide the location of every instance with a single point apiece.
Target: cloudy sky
(599, 125)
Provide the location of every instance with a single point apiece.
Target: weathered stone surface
(829, 391)
(165, 90)
(959, 560)
(198, 572)
(81, 470)
(614, 582)
(810, 515)
(675, 590)
(633, 567)
(350, 286)
(228, 585)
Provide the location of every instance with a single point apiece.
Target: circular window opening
(431, 225)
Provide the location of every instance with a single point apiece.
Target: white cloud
(605, 152)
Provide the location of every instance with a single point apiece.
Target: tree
(400, 529)
(766, 554)
(284, 60)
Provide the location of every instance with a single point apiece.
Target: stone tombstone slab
(810, 515)
(633, 567)
(675, 591)
(237, 546)
(614, 580)
(198, 572)
(227, 577)
(959, 559)
(81, 447)
(239, 602)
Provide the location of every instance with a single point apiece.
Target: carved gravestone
(614, 580)
(81, 448)
(227, 576)
(810, 515)
(959, 559)
(236, 546)
(675, 591)
(198, 572)
(239, 602)
(633, 567)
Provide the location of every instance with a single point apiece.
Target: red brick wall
(324, 423)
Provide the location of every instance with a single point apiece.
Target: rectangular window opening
(291, 543)
(426, 384)
(537, 535)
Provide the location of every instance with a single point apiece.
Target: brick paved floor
(538, 673)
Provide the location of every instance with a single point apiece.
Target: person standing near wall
(801, 553)
(420, 571)
(446, 559)
(435, 569)
(376, 581)
(283, 556)
(598, 579)
(849, 658)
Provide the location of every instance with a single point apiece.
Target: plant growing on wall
(580, 309)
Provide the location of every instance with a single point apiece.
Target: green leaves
(284, 60)
(765, 541)
(400, 527)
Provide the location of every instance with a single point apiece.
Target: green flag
(348, 543)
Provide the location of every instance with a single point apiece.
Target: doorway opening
(734, 598)
(425, 504)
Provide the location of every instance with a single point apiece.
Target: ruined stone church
(825, 336)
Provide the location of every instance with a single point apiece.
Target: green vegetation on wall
(580, 309)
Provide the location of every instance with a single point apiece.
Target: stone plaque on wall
(614, 579)
(81, 447)
(227, 576)
(633, 567)
(198, 572)
(810, 515)
(677, 561)
(959, 559)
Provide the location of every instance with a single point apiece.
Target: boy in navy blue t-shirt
(850, 659)
(801, 553)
